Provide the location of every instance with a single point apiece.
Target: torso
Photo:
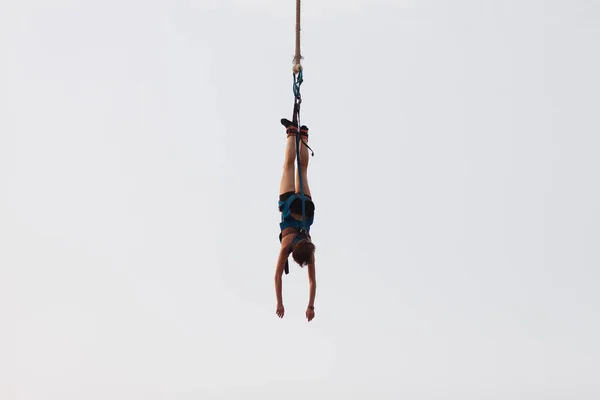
(287, 236)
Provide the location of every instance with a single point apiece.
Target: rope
(298, 56)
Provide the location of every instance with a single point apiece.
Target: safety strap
(298, 79)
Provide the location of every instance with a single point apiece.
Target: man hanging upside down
(295, 235)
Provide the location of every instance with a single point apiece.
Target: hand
(310, 313)
(280, 310)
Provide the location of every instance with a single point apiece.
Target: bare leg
(303, 169)
(287, 179)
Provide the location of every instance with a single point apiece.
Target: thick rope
(298, 56)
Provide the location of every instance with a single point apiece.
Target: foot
(292, 129)
(304, 131)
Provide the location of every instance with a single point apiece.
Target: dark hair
(303, 252)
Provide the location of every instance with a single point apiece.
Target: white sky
(455, 180)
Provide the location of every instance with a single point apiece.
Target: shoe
(286, 122)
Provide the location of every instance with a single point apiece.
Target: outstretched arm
(283, 256)
(312, 281)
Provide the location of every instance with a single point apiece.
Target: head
(303, 252)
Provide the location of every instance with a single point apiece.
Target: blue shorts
(296, 206)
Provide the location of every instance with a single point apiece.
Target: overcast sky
(455, 181)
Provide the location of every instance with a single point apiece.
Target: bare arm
(312, 282)
(283, 256)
